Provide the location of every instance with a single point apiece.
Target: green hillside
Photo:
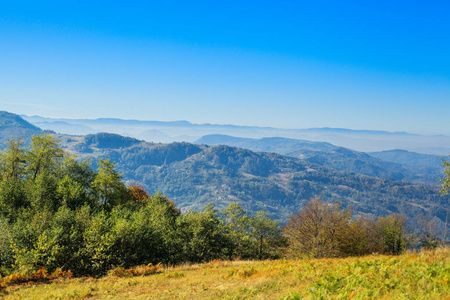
(424, 164)
(193, 175)
(13, 126)
(343, 159)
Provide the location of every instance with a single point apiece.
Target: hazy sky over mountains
(291, 64)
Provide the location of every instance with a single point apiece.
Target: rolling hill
(409, 158)
(13, 126)
(193, 175)
(339, 158)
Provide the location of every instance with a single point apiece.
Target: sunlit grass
(422, 275)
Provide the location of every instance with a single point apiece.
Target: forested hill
(13, 126)
(411, 159)
(328, 155)
(193, 175)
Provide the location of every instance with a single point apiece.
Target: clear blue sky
(381, 65)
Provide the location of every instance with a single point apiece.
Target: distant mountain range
(193, 174)
(158, 131)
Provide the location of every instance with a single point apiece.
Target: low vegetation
(413, 275)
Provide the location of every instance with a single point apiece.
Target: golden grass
(422, 275)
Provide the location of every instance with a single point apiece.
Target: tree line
(58, 212)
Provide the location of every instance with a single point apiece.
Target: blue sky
(290, 64)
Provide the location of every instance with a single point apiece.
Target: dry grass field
(422, 275)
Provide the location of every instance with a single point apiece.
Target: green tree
(12, 198)
(58, 246)
(110, 189)
(446, 180)
(98, 241)
(202, 235)
(76, 184)
(44, 155)
(12, 193)
(444, 191)
(236, 227)
(267, 235)
(43, 192)
(392, 229)
(12, 160)
(164, 218)
(79, 170)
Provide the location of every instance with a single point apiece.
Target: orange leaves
(137, 194)
(136, 271)
(40, 275)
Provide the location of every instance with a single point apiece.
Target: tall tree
(12, 160)
(202, 235)
(236, 228)
(446, 180)
(315, 230)
(44, 155)
(392, 229)
(110, 189)
(267, 235)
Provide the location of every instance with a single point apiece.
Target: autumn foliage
(322, 229)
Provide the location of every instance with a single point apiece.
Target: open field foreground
(423, 275)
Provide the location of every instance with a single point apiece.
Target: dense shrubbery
(58, 213)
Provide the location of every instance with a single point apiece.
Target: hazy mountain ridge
(66, 128)
(360, 140)
(408, 158)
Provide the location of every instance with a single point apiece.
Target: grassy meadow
(421, 275)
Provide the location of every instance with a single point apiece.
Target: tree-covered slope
(13, 126)
(328, 155)
(193, 175)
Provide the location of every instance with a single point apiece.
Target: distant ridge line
(190, 124)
